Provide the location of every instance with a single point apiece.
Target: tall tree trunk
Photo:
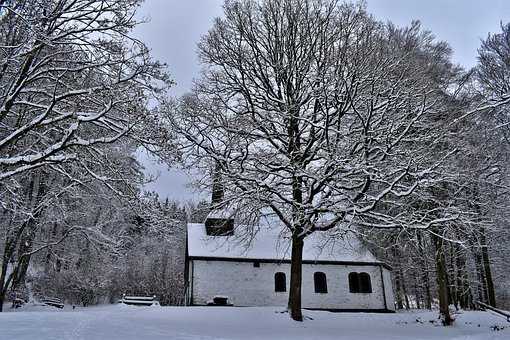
(401, 283)
(296, 262)
(458, 270)
(491, 295)
(454, 287)
(462, 280)
(398, 296)
(417, 292)
(404, 290)
(480, 286)
(5, 280)
(425, 274)
(442, 282)
(296, 278)
(398, 280)
(23, 260)
(447, 277)
(428, 294)
(21, 238)
(3, 289)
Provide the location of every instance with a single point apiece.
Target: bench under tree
(139, 300)
(54, 302)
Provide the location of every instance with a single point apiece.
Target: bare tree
(73, 84)
(493, 75)
(318, 114)
(465, 252)
(71, 77)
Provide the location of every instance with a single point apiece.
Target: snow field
(207, 323)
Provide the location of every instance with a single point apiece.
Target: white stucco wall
(388, 286)
(246, 285)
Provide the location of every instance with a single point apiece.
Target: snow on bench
(54, 302)
(500, 312)
(139, 300)
(17, 303)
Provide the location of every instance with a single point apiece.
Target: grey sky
(176, 26)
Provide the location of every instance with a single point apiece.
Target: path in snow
(186, 323)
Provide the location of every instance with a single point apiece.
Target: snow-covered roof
(221, 214)
(268, 244)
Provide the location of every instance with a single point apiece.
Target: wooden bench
(17, 303)
(139, 300)
(54, 302)
(500, 312)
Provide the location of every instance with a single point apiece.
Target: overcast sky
(176, 26)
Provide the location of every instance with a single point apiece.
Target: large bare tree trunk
(398, 296)
(454, 287)
(296, 278)
(398, 282)
(404, 290)
(442, 281)
(487, 270)
(417, 293)
(3, 290)
(480, 285)
(428, 294)
(463, 289)
(425, 275)
(5, 280)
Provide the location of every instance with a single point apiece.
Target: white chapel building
(338, 275)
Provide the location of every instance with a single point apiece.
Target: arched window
(319, 280)
(365, 286)
(353, 282)
(280, 284)
(360, 283)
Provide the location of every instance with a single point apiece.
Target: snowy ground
(205, 323)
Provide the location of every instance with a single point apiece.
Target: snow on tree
(469, 248)
(74, 83)
(72, 77)
(141, 252)
(319, 114)
(493, 72)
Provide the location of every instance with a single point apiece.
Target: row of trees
(468, 253)
(148, 259)
(315, 112)
(74, 92)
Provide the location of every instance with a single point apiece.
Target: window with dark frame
(280, 284)
(320, 284)
(360, 283)
(365, 286)
(353, 282)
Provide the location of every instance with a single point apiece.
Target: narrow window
(365, 286)
(353, 282)
(256, 264)
(319, 280)
(280, 284)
